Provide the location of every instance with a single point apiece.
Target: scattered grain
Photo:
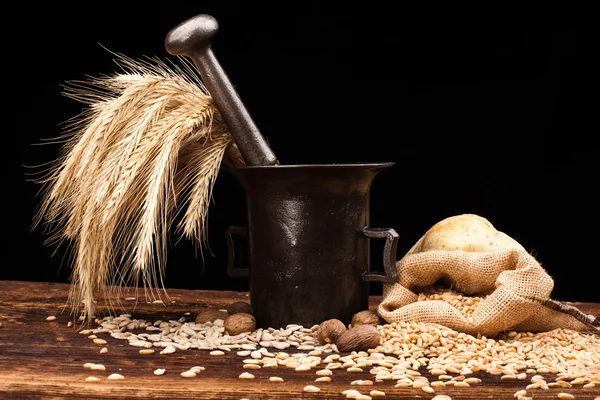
(51, 318)
(159, 371)
(92, 379)
(246, 375)
(311, 389)
(565, 396)
(115, 376)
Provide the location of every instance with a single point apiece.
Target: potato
(467, 232)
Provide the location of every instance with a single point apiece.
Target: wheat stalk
(148, 147)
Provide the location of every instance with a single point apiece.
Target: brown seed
(359, 338)
(329, 331)
(366, 317)
(238, 323)
(565, 396)
(207, 314)
(239, 307)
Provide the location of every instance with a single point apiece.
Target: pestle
(192, 38)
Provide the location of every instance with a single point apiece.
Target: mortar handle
(241, 271)
(390, 274)
(193, 38)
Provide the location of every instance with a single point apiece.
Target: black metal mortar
(308, 225)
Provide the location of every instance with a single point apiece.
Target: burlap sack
(467, 254)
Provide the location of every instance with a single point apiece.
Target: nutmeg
(239, 323)
(359, 338)
(239, 307)
(366, 317)
(330, 330)
(207, 314)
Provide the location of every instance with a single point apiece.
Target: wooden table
(42, 359)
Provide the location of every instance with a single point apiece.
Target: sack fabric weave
(514, 287)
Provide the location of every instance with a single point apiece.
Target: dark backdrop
(483, 112)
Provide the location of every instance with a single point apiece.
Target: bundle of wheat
(145, 150)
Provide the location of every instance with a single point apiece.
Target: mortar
(308, 225)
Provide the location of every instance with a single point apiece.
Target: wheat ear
(149, 143)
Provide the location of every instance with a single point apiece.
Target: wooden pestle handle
(193, 38)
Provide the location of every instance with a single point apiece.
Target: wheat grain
(311, 389)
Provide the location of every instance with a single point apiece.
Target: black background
(483, 111)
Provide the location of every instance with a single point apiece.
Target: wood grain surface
(42, 359)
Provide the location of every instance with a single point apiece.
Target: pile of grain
(425, 356)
